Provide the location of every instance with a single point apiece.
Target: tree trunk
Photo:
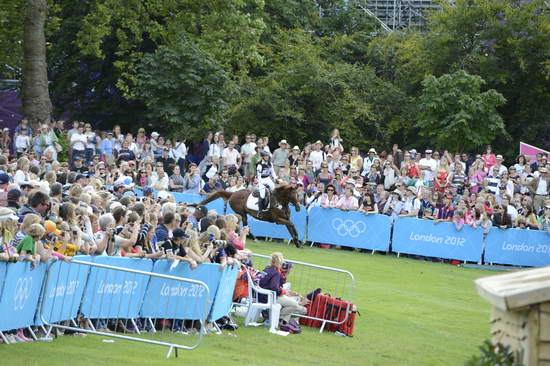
(37, 106)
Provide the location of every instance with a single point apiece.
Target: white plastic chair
(255, 307)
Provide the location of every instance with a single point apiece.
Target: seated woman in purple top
(274, 278)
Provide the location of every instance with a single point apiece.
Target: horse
(278, 213)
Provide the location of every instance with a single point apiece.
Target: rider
(265, 173)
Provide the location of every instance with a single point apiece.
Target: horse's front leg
(291, 229)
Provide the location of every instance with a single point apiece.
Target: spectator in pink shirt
(348, 202)
(329, 199)
(489, 158)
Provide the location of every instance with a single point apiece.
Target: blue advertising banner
(115, 294)
(442, 240)
(186, 197)
(63, 293)
(19, 301)
(180, 300)
(217, 205)
(518, 247)
(349, 228)
(224, 295)
(271, 230)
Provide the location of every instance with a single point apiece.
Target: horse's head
(286, 194)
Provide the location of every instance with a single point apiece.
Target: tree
(507, 43)
(303, 96)
(183, 87)
(37, 106)
(457, 115)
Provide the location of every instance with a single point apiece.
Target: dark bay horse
(278, 212)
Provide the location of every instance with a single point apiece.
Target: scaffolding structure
(399, 14)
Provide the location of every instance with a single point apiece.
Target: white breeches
(262, 182)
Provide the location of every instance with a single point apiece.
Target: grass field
(412, 313)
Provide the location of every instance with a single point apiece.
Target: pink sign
(530, 151)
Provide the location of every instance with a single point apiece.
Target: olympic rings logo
(348, 227)
(22, 292)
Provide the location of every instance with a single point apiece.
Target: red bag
(326, 307)
(341, 311)
(316, 309)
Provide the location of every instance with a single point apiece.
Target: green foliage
(493, 355)
(300, 68)
(507, 43)
(304, 96)
(63, 155)
(229, 30)
(183, 87)
(456, 114)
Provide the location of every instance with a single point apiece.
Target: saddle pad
(252, 202)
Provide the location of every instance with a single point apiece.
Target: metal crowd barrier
(111, 301)
(307, 277)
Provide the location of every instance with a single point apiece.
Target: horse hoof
(298, 244)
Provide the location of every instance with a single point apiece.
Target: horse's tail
(214, 196)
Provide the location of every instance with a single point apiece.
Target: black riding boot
(261, 206)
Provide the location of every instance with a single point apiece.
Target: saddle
(254, 203)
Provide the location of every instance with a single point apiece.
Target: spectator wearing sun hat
(428, 165)
(317, 155)
(369, 161)
(280, 156)
(498, 169)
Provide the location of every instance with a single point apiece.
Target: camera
(219, 243)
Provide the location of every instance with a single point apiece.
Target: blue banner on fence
(63, 293)
(177, 299)
(442, 240)
(349, 228)
(22, 288)
(224, 295)
(271, 230)
(217, 205)
(518, 247)
(113, 293)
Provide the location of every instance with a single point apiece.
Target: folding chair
(255, 307)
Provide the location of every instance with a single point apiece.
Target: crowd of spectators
(87, 204)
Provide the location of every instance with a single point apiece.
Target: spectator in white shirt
(159, 179)
(216, 147)
(231, 158)
(179, 153)
(73, 130)
(411, 206)
(91, 142)
(22, 141)
(498, 169)
(78, 143)
(428, 166)
(317, 156)
(369, 161)
(247, 151)
(22, 174)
